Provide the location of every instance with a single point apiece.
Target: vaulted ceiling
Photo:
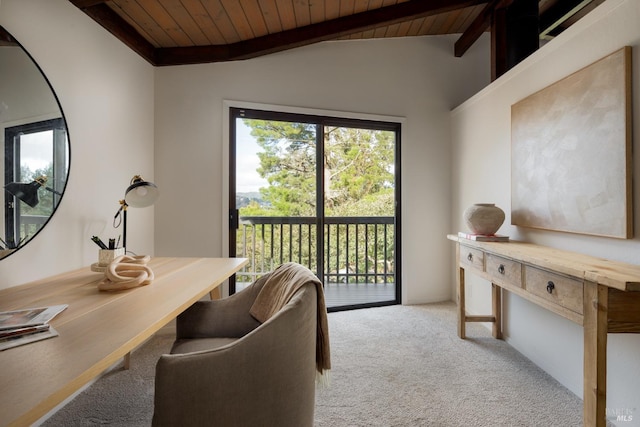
(173, 32)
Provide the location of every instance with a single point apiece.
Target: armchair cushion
(227, 317)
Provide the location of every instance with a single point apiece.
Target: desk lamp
(28, 192)
(139, 194)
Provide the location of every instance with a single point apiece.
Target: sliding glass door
(320, 191)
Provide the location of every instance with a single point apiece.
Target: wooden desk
(96, 330)
(601, 295)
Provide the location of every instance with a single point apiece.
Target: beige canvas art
(571, 152)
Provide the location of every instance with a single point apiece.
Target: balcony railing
(30, 224)
(356, 249)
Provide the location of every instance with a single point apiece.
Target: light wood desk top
(96, 330)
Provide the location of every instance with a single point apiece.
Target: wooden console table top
(613, 274)
(96, 330)
(601, 295)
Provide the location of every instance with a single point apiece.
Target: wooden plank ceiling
(173, 32)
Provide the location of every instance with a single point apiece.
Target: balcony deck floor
(340, 294)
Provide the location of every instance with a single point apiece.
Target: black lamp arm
(52, 190)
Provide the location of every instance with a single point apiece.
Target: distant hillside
(244, 199)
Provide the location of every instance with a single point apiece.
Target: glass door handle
(234, 219)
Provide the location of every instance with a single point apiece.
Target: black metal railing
(30, 224)
(355, 249)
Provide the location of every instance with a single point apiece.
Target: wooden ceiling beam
(310, 34)
(556, 12)
(479, 25)
(514, 35)
(498, 43)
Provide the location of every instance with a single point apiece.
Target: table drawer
(562, 290)
(471, 258)
(503, 270)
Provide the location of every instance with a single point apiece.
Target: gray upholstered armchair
(228, 369)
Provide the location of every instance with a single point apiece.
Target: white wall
(481, 173)
(106, 92)
(417, 79)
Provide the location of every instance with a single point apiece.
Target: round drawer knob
(501, 269)
(550, 286)
(470, 257)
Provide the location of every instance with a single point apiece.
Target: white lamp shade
(141, 194)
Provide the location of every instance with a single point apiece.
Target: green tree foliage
(358, 169)
(288, 164)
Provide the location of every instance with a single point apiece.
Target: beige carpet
(392, 366)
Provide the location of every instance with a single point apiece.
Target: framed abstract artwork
(571, 152)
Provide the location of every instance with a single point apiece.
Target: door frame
(227, 131)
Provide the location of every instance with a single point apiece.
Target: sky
(247, 179)
(36, 150)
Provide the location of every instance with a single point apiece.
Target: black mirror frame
(7, 38)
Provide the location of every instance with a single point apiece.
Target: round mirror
(34, 139)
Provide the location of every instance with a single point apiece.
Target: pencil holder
(106, 256)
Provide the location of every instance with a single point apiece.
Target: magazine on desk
(25, 326)
(29, 316)
(17, 340)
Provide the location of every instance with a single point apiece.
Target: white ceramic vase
(483, 218)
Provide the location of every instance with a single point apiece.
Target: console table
(96, 330)
(601, 295)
